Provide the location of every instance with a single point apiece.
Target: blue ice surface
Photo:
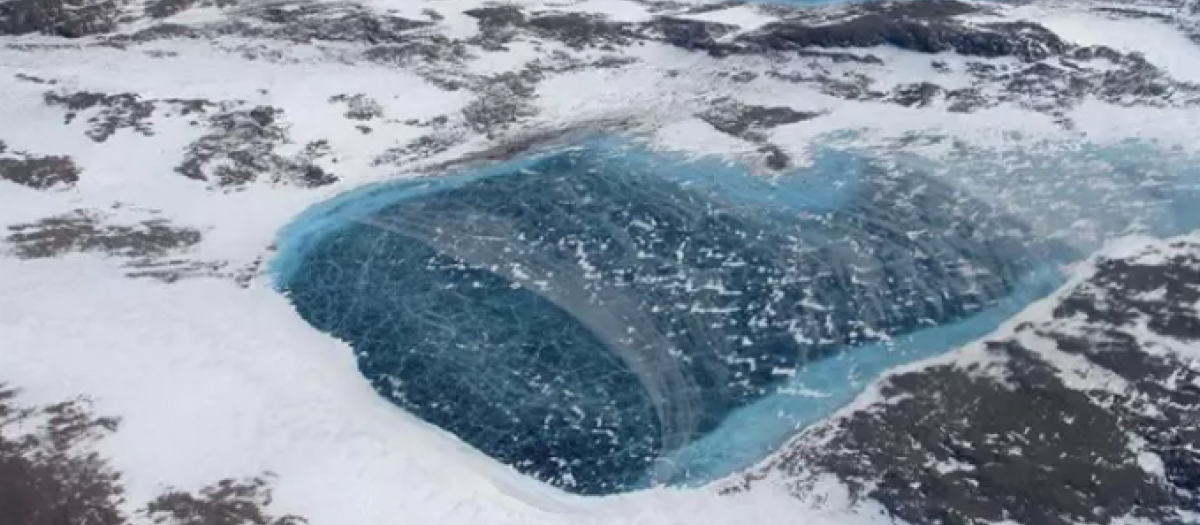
(603, 317)
(1166, 179)
(838, 170)
(820, 389)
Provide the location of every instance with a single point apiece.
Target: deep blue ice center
(586, 316)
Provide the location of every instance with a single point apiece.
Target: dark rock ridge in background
(916, 31)
(65, 18)
(1050, 76)
(1087, 416)
(1017, 64)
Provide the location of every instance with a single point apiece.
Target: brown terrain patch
(87, 231)
(957, 446)
(37, 172)
(151, 248)
(47, 474)
(50, 474)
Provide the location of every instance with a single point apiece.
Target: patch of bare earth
(51, 474)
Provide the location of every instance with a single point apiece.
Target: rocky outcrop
(240, 148)
(1026, 41)
(109, 113)
(35, 171)
(65, 18)
(1009, 63)
(1085, 416)
(51, 474)
(750, 122)
(94, 231)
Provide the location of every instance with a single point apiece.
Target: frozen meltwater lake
(604, 318)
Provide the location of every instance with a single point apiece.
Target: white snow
(747, 17)
(215, 381)
(212, 380)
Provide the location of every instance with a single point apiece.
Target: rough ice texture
(584, 315)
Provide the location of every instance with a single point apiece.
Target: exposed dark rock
(48, 474)
(740, 77)
(227, 502)
(1164, 295)
(1030, 450)
(1123, 80)
(65, 18)
(320, 22)
(112, 112)
(239, 148)
(88, 231)
(740, 120)
(170, 271)
(920, 94)
(1026, 41)
(420, 148)
(774, 157)
(359, 107)
(149, 248)
(689, 34)
(124, 110)
(168, 8)
(966, 100)
(840, 57)
(924, 9)
(33, 79)
(527, 141)
(503, 100)
(37, 172)
(850, 87)
(426, 49)
(749, 122)
(497, 25)
(1049, 87)
(1134, 13)
(355, 27)
(162, 31)
(580, 30)
(497, 17)
(1011, 440)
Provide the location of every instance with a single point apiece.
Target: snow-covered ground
(214, 375)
